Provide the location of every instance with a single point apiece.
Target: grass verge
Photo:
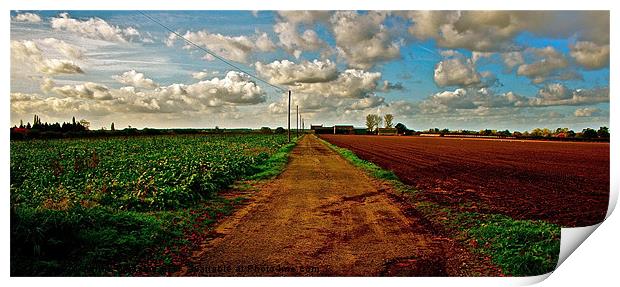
(275, 164)
(519, 247)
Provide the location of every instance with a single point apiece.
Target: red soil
(561, 182)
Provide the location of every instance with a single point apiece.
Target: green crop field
(93, 206)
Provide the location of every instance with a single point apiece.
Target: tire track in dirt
(324, 217)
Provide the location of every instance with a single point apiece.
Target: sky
(515, 70)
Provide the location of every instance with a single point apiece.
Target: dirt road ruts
(324, 217)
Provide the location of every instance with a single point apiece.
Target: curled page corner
(613, 195)
(571, 238)
(531, 280)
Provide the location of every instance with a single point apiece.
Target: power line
(210, 53)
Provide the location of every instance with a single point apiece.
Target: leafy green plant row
(140, 173)
(98, 207)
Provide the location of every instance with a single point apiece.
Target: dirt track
(324, 217)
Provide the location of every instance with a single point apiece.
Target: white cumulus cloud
(135, 79)
(86, 90)
(94, 28)
(587, 112)
(288, 73)
(363, 40)
(547, 63)
(68, 50)
(367, 103)
(200, 75)
(590, 55)
(27, 17)
(492, 31)
(294, 42)
(29, 53)
(456, 71)
(350, 83)
(236, 48)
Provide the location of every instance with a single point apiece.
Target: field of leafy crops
(148, 173)
(78, 203)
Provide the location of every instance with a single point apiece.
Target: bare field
(561, 182)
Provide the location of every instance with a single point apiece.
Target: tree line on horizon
(374, 122)
(79, 129)
(587, 133)
(39, 129)
(73, 126)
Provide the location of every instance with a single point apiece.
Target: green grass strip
(275, 164)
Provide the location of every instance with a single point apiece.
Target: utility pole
(289, 115)
(297, 122)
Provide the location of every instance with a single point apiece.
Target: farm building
(342, 129)
(360, 131)
(337, 129)
(320, 129)
(387, 131)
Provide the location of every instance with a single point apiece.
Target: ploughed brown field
(561, 182)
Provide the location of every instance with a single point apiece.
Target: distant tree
(373, 122)
(36, 123)
(517, 134)
(265, 130)
(486, 132)
(560, 133)
(537, 132)
(504, 133)
(85, 124)
(73, 121)
(21, 124)
(28, 125)
(388, 120)
(370, 122)
(112, 126)
(401, 128)
(589, 133)
(444, 131)
(570, 134)
(603, 132)
(280, 130)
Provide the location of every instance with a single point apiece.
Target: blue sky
(460, 70)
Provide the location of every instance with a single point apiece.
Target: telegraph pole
(297, 122)
(289, 115)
